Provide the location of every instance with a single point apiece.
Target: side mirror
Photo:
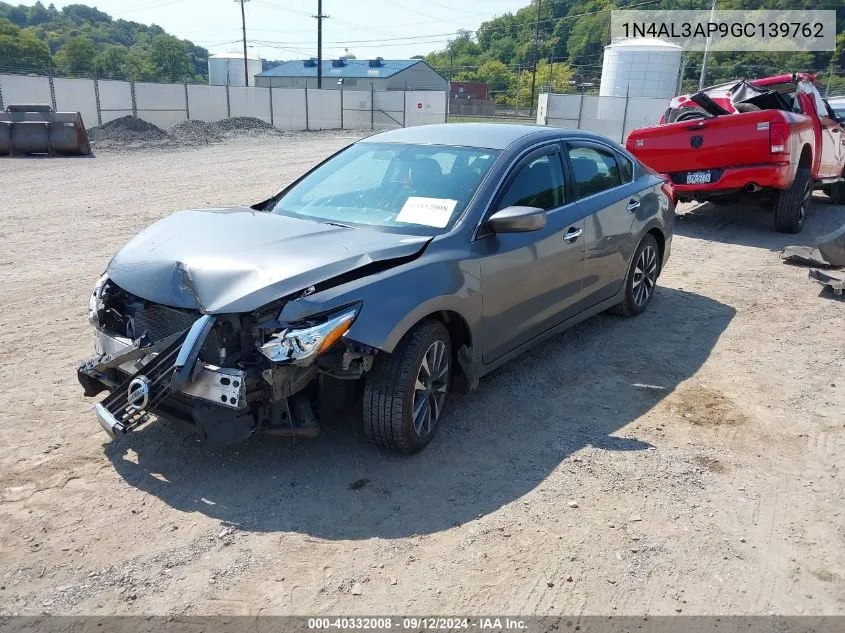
(517, 220)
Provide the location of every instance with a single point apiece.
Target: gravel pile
(195, 133)
(133, 133)
(243, 124)
(202, 133)
(127, 130)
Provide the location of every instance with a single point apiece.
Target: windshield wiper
(344, 226)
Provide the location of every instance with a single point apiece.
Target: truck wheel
(405, 391)
(836, 191)
(793, 204)
(641, 279)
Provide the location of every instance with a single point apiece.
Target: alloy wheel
(805, 202)
(645, 276)
(430, 388)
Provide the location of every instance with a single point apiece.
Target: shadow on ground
(749, 224)
(495, 445)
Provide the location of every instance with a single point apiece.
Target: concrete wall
(253, 102)
(19, 89)
(424, 107)
(207, 103)
(285, 108)
(613, 117)
(115, 99)
(323, 109)
(288, 108)
(161, 104)
(77, 95)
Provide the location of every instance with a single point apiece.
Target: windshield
(418, 189)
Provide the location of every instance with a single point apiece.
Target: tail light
(778, 137)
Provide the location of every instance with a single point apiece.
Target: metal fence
(100, 101)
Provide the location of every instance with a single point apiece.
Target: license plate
(698, 177)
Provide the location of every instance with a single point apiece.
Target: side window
(627, 168)
(538, 184)
(594, 170)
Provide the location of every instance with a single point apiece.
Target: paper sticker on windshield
(428, 211)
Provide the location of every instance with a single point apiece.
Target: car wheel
(404, 392)
(792, 205)
(641, 280)
(836, 192)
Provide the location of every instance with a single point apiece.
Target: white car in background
(837, 104)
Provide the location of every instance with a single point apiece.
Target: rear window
(594, 170)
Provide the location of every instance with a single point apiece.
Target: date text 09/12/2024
(418, 623)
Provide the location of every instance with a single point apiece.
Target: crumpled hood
(236, 260)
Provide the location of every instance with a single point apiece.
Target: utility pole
(706, 49)
(534, 62)
(320, 17)
(243, 23)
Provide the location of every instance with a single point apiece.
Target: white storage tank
(640, 67)
(228, 68)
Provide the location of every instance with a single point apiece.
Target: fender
(394, 300)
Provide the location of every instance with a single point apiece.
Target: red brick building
(468, 90)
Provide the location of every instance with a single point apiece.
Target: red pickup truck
(774, 137)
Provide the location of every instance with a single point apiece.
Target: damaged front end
(226, 376)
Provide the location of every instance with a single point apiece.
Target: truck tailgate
(725, 141)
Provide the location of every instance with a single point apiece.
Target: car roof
(486, 135)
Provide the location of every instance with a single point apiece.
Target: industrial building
(356, 74)
(227, 69)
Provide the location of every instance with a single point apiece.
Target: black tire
(390, 393)
(674, 115)
(836, 192)
(794, 203)
(647, 258)
(746, 107)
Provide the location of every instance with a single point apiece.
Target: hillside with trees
(80, 41)
(572, 37)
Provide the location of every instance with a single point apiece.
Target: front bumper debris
(834, 283)
(141, 382)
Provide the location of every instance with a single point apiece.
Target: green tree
(28, 53)
(76, 57)
(559, 76)
(111, 61)
(139, 65)
(170, 58)
(37, 14)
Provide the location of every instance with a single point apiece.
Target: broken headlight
(302, 344)
(95, 303)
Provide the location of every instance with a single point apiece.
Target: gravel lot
(686, 461)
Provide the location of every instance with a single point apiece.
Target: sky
(284, 29)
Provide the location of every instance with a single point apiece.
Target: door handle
(572, 234)
(633, 204)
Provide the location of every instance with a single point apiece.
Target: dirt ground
(685, 461)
